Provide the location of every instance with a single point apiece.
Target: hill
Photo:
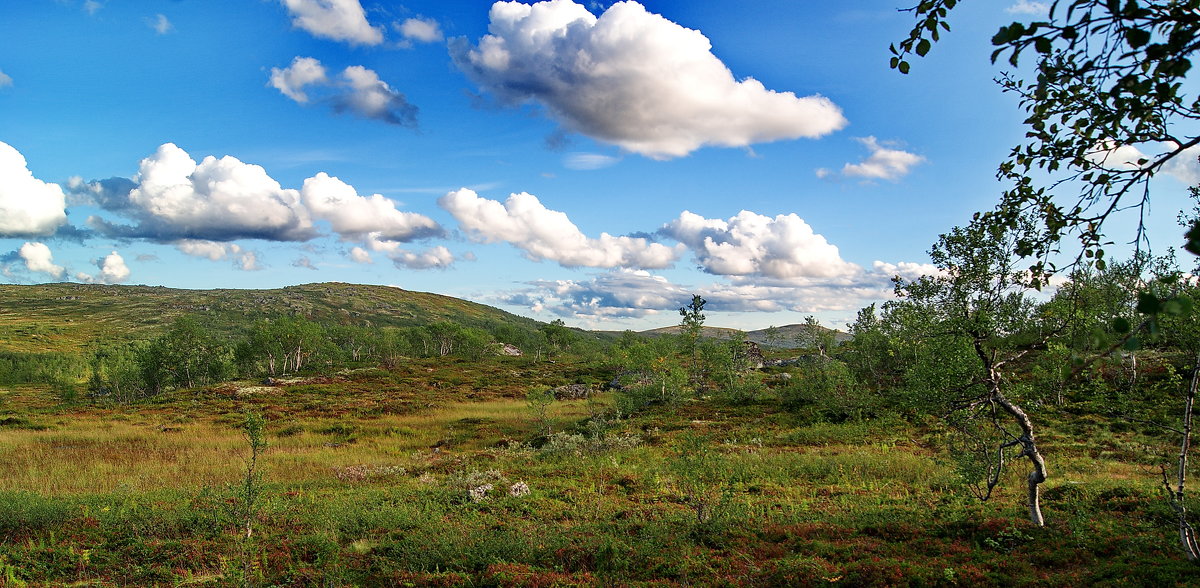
(785, 337)
(65, 317)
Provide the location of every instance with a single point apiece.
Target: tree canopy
(1108, 107)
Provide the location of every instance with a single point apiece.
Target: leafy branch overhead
(1107, 108)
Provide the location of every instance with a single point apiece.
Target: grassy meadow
(371, 477)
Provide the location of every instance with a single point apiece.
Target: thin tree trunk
(1028, 449)
(1187, 535)
(1027, 440)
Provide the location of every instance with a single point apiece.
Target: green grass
(368, 477)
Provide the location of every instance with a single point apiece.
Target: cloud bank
(633, 79)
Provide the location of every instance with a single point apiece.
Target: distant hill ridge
(66, 316)
(786, 336)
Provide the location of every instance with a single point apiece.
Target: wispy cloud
(885, 162)
(160, 23)
(1028, 7)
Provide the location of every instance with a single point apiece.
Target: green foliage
(39, 368)
(692, 325)
(539, 399)
(1105, 75)
(825, 390)
(707, 484)
(730, 363)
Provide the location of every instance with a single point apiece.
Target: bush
(826, 391)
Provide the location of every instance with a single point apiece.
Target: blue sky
(596, 163)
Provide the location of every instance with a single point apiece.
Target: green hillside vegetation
(67, 317)
(201, 443)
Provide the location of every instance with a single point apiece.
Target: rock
(572, 392)
(754, 356)
(509, 350)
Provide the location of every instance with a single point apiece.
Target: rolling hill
(65, 317)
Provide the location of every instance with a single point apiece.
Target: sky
(596, 162)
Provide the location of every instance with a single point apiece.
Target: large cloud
(634, 79)
(28, 206)
(216, 200)
(339, 20)
(356, 217)
(38, 258)
(542, 233)
(750, 244)
(357, 90)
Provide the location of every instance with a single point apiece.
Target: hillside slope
(65, 317)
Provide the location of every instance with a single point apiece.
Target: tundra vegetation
(313, 448)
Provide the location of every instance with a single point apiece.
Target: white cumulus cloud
(425, 30)
(884, 163)
(112, 271)
(541, 233)
(338, 20)
(355, 217)
(1184, 167)
(291, 80)
(242, 258)
(5, 80)
(216, 200)
(637, 293)
(28, 206)
(356, 90)
(360, 255)
(433, 258)
(750, 244)
(38, 258)
(634, 79)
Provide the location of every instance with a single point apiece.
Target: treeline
(188, 354)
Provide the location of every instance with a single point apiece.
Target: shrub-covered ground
(439, 473)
